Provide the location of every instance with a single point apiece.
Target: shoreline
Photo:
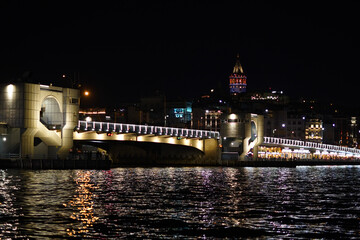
(62, 164)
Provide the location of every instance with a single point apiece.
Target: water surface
(303, 202)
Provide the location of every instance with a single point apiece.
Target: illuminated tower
(237, 79)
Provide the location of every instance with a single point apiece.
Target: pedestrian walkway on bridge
(123, 128)
(274, 148)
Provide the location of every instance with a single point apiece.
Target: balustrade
(145, 129)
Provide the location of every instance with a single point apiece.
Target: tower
(39, 119)
(237, 79)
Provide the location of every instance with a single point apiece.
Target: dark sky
(126, 49)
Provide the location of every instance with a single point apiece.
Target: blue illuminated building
(179, 114)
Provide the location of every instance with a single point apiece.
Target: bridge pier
(212, 152)
(44, 117)
(27, 142)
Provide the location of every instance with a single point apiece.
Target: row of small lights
(139, 132)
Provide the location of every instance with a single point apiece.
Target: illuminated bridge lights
(145, 130)
(319, 149)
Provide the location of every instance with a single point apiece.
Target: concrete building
(244, 133)
(314, 130)
(179, 114)
(37, 121)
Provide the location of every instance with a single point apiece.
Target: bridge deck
(340, 150)
(145, 129)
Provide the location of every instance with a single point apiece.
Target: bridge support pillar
(27, 142)
(71, 121)
(212, 151)
(46, 110)
(254, 134)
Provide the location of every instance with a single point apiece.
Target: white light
(88, 119)
(232, 116)
(4, 139)
(283, 125)
(10, 89)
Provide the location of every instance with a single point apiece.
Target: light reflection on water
(82, 204)
(305, 202)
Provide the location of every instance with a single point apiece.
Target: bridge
(268, 147)
(41, 121)
(272, 147)
(121, 128)
(207, 142)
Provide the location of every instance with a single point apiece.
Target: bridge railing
(299, 143)
(145, 129)
(9, 156)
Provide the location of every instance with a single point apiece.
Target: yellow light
(171, 140)
(86, 93)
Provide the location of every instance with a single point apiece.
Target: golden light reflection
(83, 204)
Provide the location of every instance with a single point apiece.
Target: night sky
(123, 50)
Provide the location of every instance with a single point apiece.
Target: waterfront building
(237, 80)
(37, 120)
(152, 110)
(295, 127)
(159, 110)
(208, 109)
(242, 134)
(212, 120)
(346, 130)
(179, 114)
(314, 130)
(207, 119)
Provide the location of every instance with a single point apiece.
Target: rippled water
(305, 202)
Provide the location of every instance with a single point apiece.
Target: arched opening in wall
(50, 114)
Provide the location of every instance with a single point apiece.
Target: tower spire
(238, 68)
(237, 79)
